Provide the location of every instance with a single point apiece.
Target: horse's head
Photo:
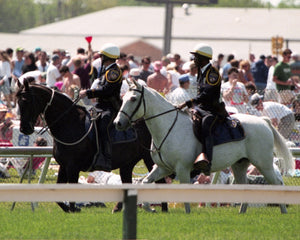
(133, 106)
(28, 106)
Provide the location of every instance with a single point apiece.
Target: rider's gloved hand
(181, 106)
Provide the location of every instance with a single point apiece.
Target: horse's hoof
(66, 209)
(164, 207)
(75, 210)
(99, 204)
(117, 208)
(147, 208)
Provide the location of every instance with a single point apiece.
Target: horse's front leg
(183, 176)
(156, 174)
(73, 175)
(62, 178)
(65, 176)
(126, 177)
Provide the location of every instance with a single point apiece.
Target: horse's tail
(281, 150)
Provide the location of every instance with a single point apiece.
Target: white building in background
(250, 30)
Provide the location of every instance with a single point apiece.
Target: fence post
(45, 170)
(130, 214)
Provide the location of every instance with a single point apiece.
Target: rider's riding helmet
(203, 50)
(110, 50)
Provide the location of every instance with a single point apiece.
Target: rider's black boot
(103, 161)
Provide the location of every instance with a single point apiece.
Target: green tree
(16, 15)
(55, 10)
(289, 4)
(241, 3)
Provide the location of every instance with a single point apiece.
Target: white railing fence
(131, 194)
(29, 152)
(150, 193)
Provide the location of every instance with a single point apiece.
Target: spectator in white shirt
(5, 74)
(134, 74)
(234, 92)
(180, 94)
(281, 116)
(42, 63)
(270, 91)
(53, 74)
(193, 80)
(103, 178)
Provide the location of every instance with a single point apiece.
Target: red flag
(88, 39)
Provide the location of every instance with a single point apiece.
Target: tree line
(18, 15)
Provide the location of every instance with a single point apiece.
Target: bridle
(46, 127)
(142, 100)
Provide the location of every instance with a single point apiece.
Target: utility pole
(169, 17)
(168, 28)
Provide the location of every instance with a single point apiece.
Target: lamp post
(169, 17)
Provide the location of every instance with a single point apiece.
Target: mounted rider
(206, 104)
(107, 90)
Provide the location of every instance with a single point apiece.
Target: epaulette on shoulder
(113, 75)
(213, 76)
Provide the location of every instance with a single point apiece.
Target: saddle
(225, 131)
(116, 137)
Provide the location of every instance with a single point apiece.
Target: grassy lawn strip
(49, 222)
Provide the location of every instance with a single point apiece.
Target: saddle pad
(228, 131)
(116, 136)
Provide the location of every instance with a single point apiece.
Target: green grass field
(48, 221)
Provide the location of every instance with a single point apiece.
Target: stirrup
(201, 163)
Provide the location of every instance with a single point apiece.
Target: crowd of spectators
(267, 87)
(274, 80)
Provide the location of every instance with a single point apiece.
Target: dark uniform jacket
(208, 90)
(108, 89)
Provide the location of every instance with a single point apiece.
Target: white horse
(175, 147)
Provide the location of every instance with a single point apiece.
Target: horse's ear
(26, 84)
(19, 83)
(136, 84)
(128, 82)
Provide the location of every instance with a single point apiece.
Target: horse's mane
(61, 96)
(167, 102)
(157, 95)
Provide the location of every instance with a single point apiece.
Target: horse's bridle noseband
(49, 103)
(144, 104)
(137, 107)
(154, 116)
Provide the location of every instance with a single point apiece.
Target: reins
(165, 138)
(157, 149)
(144, 104)
(46, 127)
(160, 114)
